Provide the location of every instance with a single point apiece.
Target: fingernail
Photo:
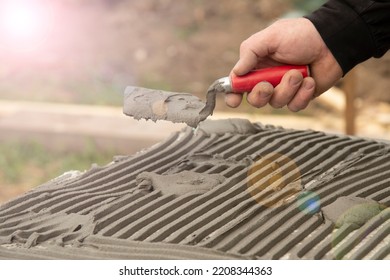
(266, 89)
(294, 81)
(237, 68)
(308, 85)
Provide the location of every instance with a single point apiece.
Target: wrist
(324, 68)
(344, 32)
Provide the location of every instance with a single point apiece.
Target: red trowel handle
(273, 75)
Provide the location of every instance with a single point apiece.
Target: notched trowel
(143, 103)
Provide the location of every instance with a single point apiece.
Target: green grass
(185, 32)
(30, 164)
(94, 90)
(308, 5)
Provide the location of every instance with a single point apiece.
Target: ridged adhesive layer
(250, 191)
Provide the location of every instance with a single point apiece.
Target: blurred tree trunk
(349, 87)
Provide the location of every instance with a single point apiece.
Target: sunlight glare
(23, 24)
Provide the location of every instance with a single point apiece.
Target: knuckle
(244, 45)
(248, 43)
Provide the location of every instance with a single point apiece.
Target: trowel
(143, 103)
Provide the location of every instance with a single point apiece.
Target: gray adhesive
(143, 103)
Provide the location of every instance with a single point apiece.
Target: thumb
(251, 51)
(246, 63)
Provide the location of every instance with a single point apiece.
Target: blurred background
(64, 65)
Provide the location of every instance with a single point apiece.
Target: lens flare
(309, 202)
(274, 180)
(22, 21)
(24, 24)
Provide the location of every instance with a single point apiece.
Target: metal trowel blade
(143, 103)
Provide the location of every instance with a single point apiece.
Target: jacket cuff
(344, 32)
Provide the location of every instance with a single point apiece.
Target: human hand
(287, 41)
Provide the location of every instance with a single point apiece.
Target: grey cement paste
(185, 182)
(234, 126)
(142, 103)
(187, 198)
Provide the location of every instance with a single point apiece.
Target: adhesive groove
(269, 202)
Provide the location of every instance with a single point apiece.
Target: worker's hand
(287, 41)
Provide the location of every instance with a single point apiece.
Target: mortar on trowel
(143, 103)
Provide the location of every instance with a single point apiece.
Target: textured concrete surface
(267, 206)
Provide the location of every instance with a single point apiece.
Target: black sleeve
(354, 30)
